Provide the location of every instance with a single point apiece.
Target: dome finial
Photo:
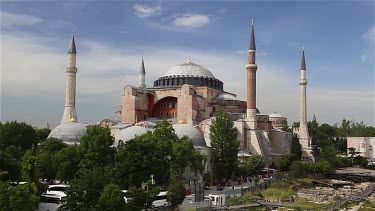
(72, 119)
(188, 61)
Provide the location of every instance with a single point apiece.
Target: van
(161, 200)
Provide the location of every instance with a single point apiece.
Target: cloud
(104, 70)
(192, 20)
(144, 11)
(368, 51)
(9, 20)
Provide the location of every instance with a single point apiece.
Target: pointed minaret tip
(303, 64)
(188, 61)
(143, 69)
(252, 38)
(72, 47)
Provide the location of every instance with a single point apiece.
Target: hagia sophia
(188, 95)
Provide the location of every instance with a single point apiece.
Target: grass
(304, 204)
(278, 191)
(246, 196)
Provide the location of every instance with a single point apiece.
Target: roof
(276, 115)
(72, 47)
(142, 69)
(252, 39)
(129, 133)
(70, 132)
(189, 69)
(190, 131)
(225, 96)
(303, 64)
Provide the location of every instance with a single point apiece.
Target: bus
(161, 200)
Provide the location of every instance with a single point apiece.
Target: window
(161, 114)
(167, 114)
(155, 114)
(172, 114)
(161, 105)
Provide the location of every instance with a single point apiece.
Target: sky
(111, 37)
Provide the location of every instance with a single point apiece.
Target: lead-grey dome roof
(189, 69)
(190, 131)
(70, 133)
(129, 133)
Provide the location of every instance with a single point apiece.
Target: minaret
(251, 68)
(70, 91)
(303, 130)
(142, 75)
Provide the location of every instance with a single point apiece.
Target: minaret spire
(252, 39)
(251, 69)
(142, 75)
(303, 64)
(70, 91)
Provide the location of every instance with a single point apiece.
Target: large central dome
(189, 73)
(189, 69)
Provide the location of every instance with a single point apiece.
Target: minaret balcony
(251, 66)
(303, 82)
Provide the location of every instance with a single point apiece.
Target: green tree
(85, 190)
(254, 165)
(297, 169)
(66, 162)
(176, 193)
(111, 199)
(224, 146)
(21, 197)
(138, 160)
(138, 198)
(96, 147)
(45, 168)
(42, 133)
(184, 155)
(283, 162)
(296, 149)
(11, 166)
(18, 134)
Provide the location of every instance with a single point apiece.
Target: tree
(224, 145)
(85, 190)
(254, 165)
(42, 133)
(21, 197)
(138, 160)
(18, 134)
(184, 155)
(11, 166)
(176, 193)
(283, 162)
(96, 147)
(138, 199)
(66, 163)
(45, 168)
(111, 199)
(297, 169)
(296, 149)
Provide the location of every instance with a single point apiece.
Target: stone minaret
(303, 131)
(251, 68)
(70, 91)
(142, 75)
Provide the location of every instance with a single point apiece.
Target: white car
(161, 200)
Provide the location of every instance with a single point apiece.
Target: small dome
(275, 115)
(189, 69)
(70, 133)
(190, 131)
(129, 133)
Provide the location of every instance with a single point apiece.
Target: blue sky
(111, 36)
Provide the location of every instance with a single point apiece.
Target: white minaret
(142, 76)
(303, 131)
(70, 114)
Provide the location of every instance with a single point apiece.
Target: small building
(363, 145)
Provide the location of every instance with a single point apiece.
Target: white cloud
(104, 70)
(9, 20)
(368, 51)
(144, 11)
(192, 20)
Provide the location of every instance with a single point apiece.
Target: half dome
(190, 131)
(70, 133)
(129, 133)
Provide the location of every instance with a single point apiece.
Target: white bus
(161, 200)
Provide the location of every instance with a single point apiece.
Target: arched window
(167, 114)
(172, 114)
(161, 115)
